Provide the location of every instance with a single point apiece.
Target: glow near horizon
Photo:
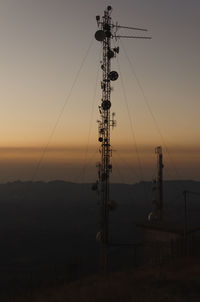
(42, 47)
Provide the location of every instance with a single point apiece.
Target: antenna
(128, 27)
(158, 151)
(105, 34)
(157, 215)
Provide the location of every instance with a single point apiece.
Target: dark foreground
(179, 281)
(47, 241)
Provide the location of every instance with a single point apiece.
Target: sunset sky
(156, 98)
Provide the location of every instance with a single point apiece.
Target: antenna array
(105, 34)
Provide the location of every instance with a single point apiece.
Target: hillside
(175, 282)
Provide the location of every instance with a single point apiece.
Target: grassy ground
(176, 282)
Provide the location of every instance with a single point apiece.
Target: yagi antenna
(107, 31)
(132, 37)
(129, 37)
(128, 27)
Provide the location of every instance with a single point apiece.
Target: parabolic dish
(100, 35)
(113, 75)
(106, 105)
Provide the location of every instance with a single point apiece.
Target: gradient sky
(43, 43)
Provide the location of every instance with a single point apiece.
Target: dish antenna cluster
(107, 31)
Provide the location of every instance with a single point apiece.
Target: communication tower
(106, 33)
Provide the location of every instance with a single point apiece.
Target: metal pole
(185, 212)
(160, 181)
(185, 223)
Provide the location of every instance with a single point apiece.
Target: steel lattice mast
(107, 31)
(160, 167)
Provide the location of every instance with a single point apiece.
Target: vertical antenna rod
(105, 34)
(160, 165)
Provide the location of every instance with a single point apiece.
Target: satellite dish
(99, 236)
(113, 75)
(100, 35)
(152, 216)
(106, 105)
(110, 54)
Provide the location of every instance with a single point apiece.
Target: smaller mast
(160, 166)
(157, 214)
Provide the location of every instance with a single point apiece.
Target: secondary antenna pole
(106, 33)
(158, 151)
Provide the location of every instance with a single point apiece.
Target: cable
(123, 160)
(193, 193)
(90, 126)
(152, 115)
(79, 177)
(148, 106)
(121, 176)
(130, 193)
(130, 121)
(133, 134)
(61, 112)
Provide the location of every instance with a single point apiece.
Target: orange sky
(156, 99)
(78, 164)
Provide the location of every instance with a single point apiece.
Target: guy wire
(61, 113)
